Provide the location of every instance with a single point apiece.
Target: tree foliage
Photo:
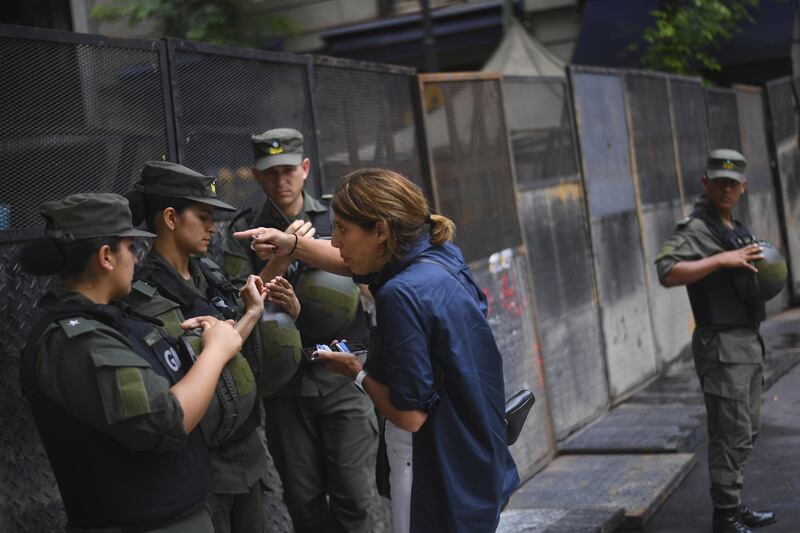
(231, 22)
(687, 34)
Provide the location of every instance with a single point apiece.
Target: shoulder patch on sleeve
(144, 288)
(132, 391)
(76, 326)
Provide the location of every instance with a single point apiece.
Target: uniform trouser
(324, 449)
(732, 393)
(240, 513)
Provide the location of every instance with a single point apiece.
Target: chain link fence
(553, 217)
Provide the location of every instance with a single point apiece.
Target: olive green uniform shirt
(310, 380)
(693, 240)
(236, 465)
(97, 377)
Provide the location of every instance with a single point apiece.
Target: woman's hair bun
(42, 257)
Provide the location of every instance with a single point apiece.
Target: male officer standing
(321, 430)
(707, 252)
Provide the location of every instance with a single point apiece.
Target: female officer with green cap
(114, 403)
(178, 204)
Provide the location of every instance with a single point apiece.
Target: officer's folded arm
(688, 272)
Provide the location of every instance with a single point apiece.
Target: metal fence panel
(723, 132)
(599, 103)
(762, 205)
(784, 121)
(224, 95)
(553, 217)
(380, 131)
(660, 204)
(688, 103)
(473, 182)
(470, 164)
(80, 113)
(504, 279)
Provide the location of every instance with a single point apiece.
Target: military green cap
(164, 178)
(88, 216)
(724, 163)
(282, 146)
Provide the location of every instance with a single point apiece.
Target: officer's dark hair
(45, 256)
(369, 195)
(145, 207)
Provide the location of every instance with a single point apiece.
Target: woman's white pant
(399, 449)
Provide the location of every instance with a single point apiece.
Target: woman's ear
(380, 231)
(168, 216)
(104, 258)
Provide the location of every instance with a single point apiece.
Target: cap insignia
(727, 165)
(275, 148)
(213, 186)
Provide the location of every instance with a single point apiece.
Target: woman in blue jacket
(434, 370)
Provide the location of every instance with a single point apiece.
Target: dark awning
(456, 29)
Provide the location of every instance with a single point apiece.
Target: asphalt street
(772, 476)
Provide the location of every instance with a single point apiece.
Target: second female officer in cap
(178, 204)
(114, 403)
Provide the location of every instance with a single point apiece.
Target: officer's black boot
(753, 518)
(729, 521)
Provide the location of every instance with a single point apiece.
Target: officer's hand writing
(253, 294)
(267, 242)
(740, 258)
(302, 229)
(345, 364)
(281, 293)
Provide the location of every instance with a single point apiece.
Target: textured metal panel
(761, 200)
(470, 164)
(223, 96)
(723, 132)
(603, 132)
(660, 205)
(29, 498)
(551, 205)
(670, 309)
(637, 483)
(560, 520)
(571, 341)
(641, 428)
(75, 117)
(380, 131)
(617, 248)
(784, 117)
(691, 135)
(504, 279)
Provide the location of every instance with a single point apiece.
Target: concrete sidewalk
(624, 470)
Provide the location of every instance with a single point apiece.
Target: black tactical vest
(103, 483)
(714, 299)
(220, 300)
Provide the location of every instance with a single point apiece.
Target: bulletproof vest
(220, 300)
(714, 299)
(103, 483)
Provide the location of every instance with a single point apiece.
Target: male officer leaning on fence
(321, 430)
(706, 252)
